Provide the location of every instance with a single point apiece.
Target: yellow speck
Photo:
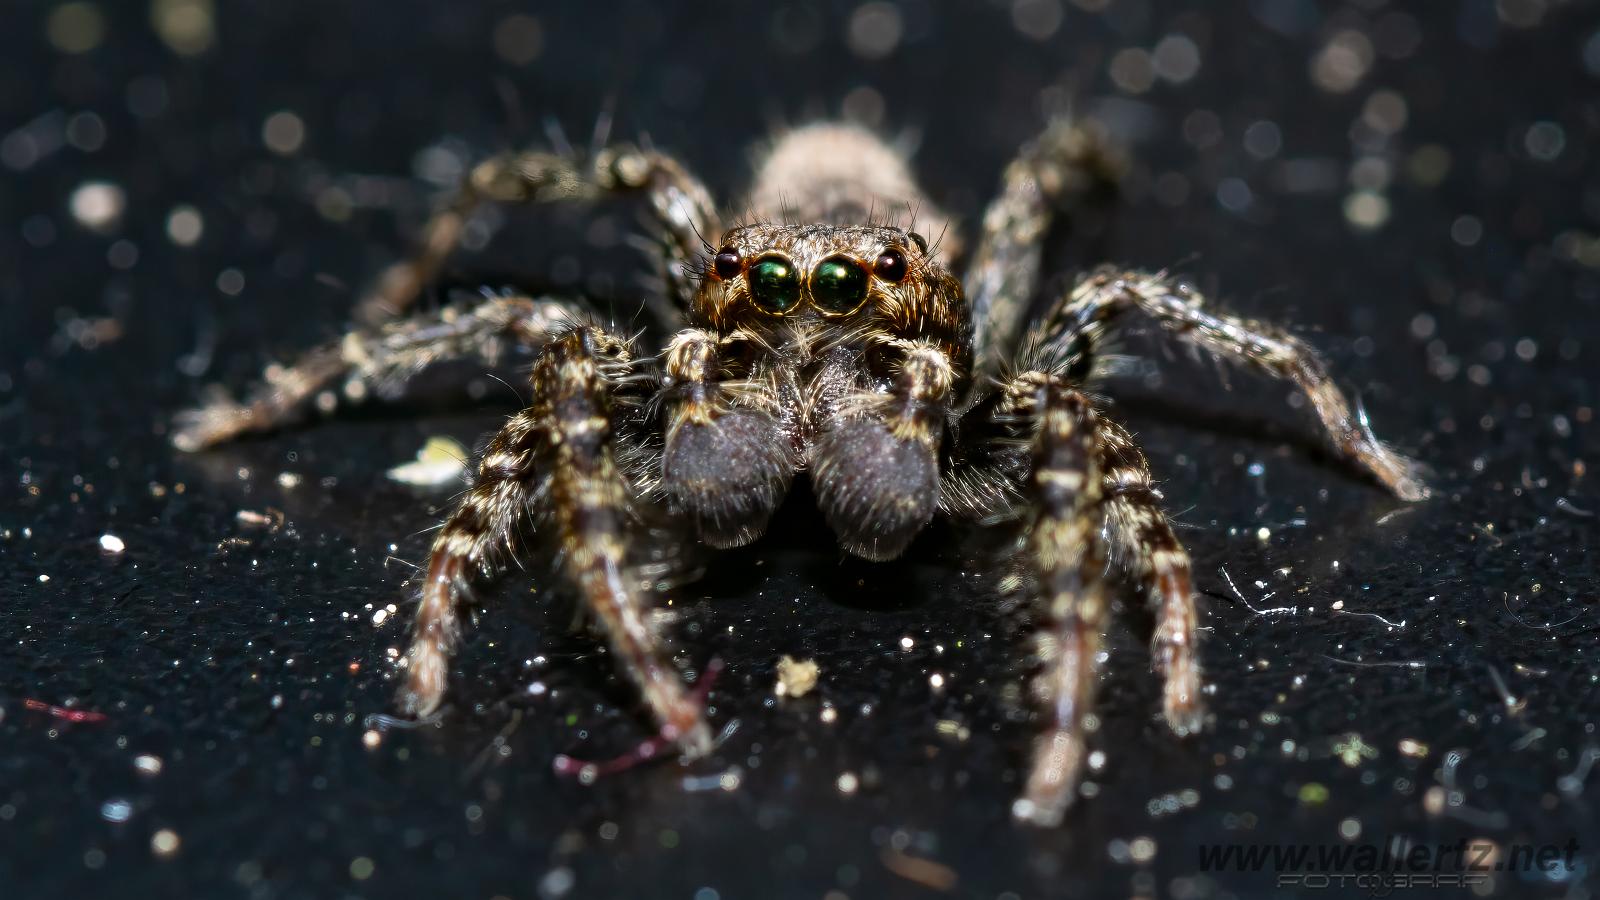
(1313, 793)
(1366, 209)
(188, 27)
(283, 132)
(165, 842)
(1142, 849)
(1413, 748)
(441, 460)
(76, 27)
(796, 678)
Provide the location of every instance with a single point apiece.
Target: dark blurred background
(190, 189)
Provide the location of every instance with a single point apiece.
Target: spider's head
(764, 275)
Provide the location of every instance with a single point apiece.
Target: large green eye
(774, 284)
(838, 285)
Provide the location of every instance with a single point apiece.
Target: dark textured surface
(246, 659)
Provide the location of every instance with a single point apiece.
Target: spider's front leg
(384, 362)
(1143, 544)
(556, 458)
(1060, 549)
(680, 205)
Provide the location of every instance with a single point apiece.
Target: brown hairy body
(827, 336)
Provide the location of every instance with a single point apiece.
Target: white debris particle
(110, 543)
(1366, 209)
(1177, 58)
(283, 132)
(1132, 70)
(371, 739)
(116, 811)
(98, 205)
(1036, 19)
(874, 30)
(379, 616)
(147, 764)
(936, 680)
(906, 643)
(164, 842)
(1343, 62)
(186, 26)
(185, 226)
(441, 460)
(796, 678)
(847, 782)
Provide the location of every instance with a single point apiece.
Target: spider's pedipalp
(876, 462)
(726, 462)
(559, 450)
(382, 362)
(1061, 554)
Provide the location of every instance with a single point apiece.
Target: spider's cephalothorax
(830, 347)
(821, 338)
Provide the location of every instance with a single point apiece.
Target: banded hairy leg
(557, 459)
(681, 209)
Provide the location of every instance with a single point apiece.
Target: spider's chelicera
(812, 340)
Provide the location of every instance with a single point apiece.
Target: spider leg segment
(1060, 548)
(383, 362)
(1068, 167)
(680, 205)
(557, 458)
(1142, 542)
(876, 461)
(1091, 307)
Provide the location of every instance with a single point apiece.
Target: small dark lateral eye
(919, 240)
(727, 264)
(838, 285)
(774, 284)
(891, 265)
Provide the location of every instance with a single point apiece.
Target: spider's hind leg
(1070, 167)
(1092, 306)
(557, 458)
(680, 205)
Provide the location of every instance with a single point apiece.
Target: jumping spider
(811, 339)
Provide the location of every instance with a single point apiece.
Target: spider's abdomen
(839, 174)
